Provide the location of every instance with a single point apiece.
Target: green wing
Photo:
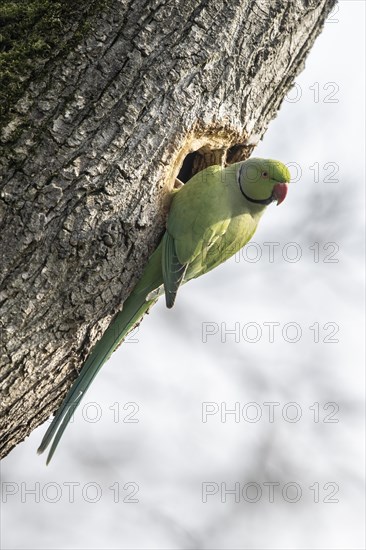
(199, 215)
(173, 270)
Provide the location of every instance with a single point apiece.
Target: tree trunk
(91, 150)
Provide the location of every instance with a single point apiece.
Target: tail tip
(41, 449)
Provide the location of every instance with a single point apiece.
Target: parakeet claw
(154, 294)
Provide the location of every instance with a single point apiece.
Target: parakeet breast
(239, 231)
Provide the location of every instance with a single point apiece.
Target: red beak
(279, 192)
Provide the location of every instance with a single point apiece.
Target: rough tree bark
(91, 150)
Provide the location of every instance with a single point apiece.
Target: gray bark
(91, 152)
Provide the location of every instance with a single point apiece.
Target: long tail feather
(134, 308)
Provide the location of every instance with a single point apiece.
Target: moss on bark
(31, 33)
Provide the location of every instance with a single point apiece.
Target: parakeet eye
(264, 174)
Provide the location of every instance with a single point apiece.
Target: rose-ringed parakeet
(211, 217)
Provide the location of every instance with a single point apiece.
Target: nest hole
(202, 158)
(188, 168)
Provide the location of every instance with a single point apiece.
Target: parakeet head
(263, 181)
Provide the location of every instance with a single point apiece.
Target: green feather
(211, 218)
(173, 270)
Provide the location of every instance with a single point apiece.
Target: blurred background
(154, 459)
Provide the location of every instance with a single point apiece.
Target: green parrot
(211, 218)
